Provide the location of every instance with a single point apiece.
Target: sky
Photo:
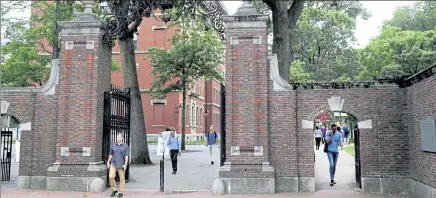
(365, 29)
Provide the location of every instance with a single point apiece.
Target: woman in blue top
(334, 140)
(174, 144)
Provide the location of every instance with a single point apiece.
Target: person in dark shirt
(117, 162)
(211, 142)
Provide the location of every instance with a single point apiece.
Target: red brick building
(203, 99)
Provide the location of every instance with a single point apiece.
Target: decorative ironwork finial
(119, 25)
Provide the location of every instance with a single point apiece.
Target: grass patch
(13, 142)
(186, 143)
(350, 149)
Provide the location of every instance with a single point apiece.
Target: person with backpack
(175, 149)
(211, 142)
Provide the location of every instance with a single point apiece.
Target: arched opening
(10, 147)
(347, 172)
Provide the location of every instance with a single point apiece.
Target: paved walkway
(13, 193)
(345, 171)
(194, 171)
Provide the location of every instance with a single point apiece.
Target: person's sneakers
(174, 172)
(211, 162)
(332, 182)
(114, 193)
(120, 194)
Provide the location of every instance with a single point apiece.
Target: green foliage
(323, 41)
(298, 74)
(395, 53)
(115, 65)
(421, 16)
(196, 53)
(405, 46)
(25, 60)
(24, 66)
(44, 25)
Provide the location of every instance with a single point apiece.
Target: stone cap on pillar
(87, 14)
(85, 23)
(246, 17)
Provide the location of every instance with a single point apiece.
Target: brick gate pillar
(85, 74)
(247, 168)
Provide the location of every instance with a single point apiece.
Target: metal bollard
(162, 173)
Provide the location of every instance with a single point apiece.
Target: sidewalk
(13, 193)
(345, 171)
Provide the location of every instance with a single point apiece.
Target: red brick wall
(38, 148)
(421, 104)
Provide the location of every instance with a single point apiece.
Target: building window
(194, 87)
(197, 117)
(135, 42)
(187, 115)
(201, 117)
(159, 114)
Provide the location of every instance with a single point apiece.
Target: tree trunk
(294, 13)
(184, 116)
(138, 138)
(280, 37)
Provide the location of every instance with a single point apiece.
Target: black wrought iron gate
(223, 125)
(357, 157)
(116, 121)
(6, 156)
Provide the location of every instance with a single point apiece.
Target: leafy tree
(298, 74)
(322, 36)
(395, 53)
(421, 16)
(196, 54)
(24, 66)
(25, 59)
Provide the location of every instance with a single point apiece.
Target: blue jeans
(333, 159)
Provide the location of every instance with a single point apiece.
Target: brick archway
(325, 108)
(17, 116)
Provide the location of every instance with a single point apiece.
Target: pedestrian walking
(175, 148)
(318, 135)
(117, 162)
(334, 140)
(211, 142)
(323, 131)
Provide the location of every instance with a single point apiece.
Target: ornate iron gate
(223, 125)
(6, 156)
(357, 156)
(116, 120)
